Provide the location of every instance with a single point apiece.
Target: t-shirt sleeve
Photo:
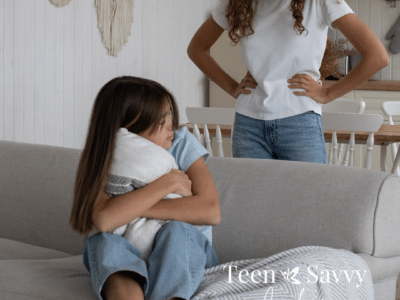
(186, 149)
(331, 10)
(219, 14)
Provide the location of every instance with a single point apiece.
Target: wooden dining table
(386, 135)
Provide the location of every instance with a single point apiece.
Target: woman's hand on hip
(182, 182)
(311, 88)
(247, 82)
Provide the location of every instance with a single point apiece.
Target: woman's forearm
(364, 70)
(198, 51)
(203, 60)
(374, 55)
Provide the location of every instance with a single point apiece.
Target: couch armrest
(36, 192)
(270, 206)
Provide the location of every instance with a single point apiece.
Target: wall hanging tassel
(394, 36)
(114, 20)
(60, 3)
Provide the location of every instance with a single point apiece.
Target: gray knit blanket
(304, 273)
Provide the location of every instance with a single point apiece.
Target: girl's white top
(276, 52)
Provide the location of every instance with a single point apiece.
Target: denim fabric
(175, 268)
(298, 138)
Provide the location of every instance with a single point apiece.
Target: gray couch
(267, 207)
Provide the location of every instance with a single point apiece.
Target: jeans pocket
(321, 128)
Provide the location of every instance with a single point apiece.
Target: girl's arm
(198, 52)
(374, 58)
(200, 209)
(110, 213)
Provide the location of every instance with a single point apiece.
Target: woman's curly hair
(240, 15)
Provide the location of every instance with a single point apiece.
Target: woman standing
(282, 44)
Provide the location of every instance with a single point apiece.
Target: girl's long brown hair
(240, 15)
(135, 103)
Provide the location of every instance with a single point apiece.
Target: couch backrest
(267, 206)
(36, 190)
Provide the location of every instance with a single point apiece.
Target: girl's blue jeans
(298, 138)
(175, 268)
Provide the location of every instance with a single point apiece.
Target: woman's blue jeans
(175, 268)
(298, 138)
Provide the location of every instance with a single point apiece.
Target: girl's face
(164, 134)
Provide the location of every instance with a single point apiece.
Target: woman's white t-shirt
(276, 52)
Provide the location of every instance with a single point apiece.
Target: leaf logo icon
(290, 275)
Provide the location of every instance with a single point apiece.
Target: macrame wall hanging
(114, 20)
(394, 36)
(60, 3)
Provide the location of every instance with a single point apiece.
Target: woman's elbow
(189, 51)
(380, 60)
(193, 52)
(385, 61)
(196, 53)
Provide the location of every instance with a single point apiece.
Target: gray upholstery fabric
(384, 268)
(10, 249)
(387, 223)
(385, 289)
(36, 184)
(277, 205)
(267, 206)
(61, 279)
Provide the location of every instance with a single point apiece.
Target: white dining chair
(390, 109)
(352, 122)
(342, 105)
(206, 116)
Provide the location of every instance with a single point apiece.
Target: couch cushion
(10, 249)
(61, 279)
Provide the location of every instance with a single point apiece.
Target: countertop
(380, 85)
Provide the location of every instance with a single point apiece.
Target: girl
(282, 44)
(136, 162)
(181, 252)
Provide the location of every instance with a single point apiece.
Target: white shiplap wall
(52, 63)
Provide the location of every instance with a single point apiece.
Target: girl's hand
(312, 88)
(247, 81)
(200, 209)
(182, 182)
